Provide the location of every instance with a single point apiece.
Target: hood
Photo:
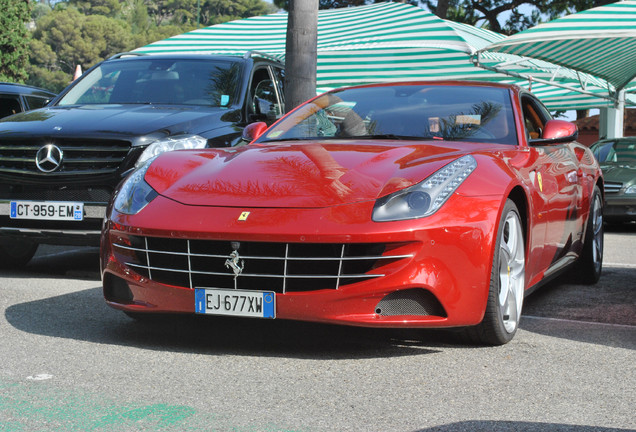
(304, 175)
(111, 120)
(619, 172)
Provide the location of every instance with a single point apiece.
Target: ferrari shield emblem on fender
(244, 216)
(540, 180)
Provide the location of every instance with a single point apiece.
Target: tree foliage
(69, 33)
(14, 39)
(507, 16)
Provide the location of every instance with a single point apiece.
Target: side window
(264, 104)
(36, 102)
(535, 116)
(9, 105)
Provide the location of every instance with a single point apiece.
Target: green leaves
(84, 32)
(14, 39)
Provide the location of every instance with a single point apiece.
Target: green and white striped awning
(385, 42)
(600, 41)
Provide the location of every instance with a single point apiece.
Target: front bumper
(448, 264)
(619, 208)
(86, 232)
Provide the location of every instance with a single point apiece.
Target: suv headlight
(426, 197)
(631, 190)
(178, 142)
(135, 193)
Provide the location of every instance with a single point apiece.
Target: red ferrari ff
(420, 204)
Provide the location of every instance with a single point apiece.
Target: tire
(16, 254)
(588, 267)
(507, 283)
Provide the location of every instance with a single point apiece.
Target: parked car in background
(617, 157)
(59, 165)
(434, 204)
(16, 98)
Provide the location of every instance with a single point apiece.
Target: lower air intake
(415, 301)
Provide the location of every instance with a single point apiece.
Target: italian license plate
(255, 304)
(48, 210)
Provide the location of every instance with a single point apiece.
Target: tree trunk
(580, 114)
(301, 55)
(442, 8)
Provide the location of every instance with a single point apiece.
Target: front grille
(52, 193)
(613, 187)
(80, 156)
(279, 267)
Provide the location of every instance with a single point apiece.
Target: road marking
(627, 326)
(619, 265)
(88, 249)
(39, 377)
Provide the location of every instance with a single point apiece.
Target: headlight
(135, 193)
(631, 189)
(179, 142)
(426, 197)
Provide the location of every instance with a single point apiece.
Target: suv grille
(279, 267)
(613, 187)
(80, 156)
(29, 193)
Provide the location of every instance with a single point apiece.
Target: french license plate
(256, 304)
(48, 210)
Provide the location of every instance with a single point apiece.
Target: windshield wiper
(399, 137)
(289, 139)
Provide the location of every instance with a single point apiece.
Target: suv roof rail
(252, 53)
(127, 54)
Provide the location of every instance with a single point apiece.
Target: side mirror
(253, 131)
(556, 132)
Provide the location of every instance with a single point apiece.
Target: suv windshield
(622, 151)
(444, 112)
(159, 81)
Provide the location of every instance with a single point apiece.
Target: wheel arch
(518, 196)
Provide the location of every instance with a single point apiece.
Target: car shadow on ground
(627, 228)
(603, 314)
(72, 262)
(508, 426)
(83, 315)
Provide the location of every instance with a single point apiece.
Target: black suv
(60, 164)
(16, 98)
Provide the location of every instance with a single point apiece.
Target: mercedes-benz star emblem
(49, 158)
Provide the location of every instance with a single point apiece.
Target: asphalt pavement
(70, 363)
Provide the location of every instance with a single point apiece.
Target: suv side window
(9, 105)
(264, 103)
(279, 73)
(36, 102)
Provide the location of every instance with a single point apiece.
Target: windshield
(619, 151)
(410, 112)
(149, 81)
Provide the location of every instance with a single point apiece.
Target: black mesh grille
(279, 267)
(415, 301)
(51, 193)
